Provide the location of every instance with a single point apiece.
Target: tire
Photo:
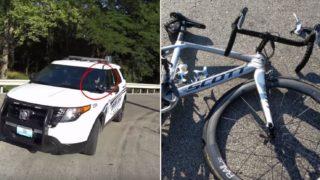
(119, 115)
(238, 145)
(91, 145)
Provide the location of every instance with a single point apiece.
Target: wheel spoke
(245, 141)
(250, 151)
(253, 110)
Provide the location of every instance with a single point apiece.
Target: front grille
(11, 118)
(36, 114)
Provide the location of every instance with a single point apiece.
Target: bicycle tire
(222, 149)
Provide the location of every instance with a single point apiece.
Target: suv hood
(52, 95)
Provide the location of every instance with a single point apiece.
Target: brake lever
(298, 24)
(298, 30)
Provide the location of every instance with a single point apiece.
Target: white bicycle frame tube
(259, 78)
(174, 60)
(254, 63)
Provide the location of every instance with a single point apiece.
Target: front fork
(260, 80)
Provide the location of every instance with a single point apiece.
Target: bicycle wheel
(238, 144)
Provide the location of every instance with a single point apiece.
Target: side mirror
(114, 89)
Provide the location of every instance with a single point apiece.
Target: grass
(14, 75)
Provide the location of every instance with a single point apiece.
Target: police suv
(63, 107)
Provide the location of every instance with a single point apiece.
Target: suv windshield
(97, 80)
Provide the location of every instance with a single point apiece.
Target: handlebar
(242, 17)
(308, 53)
(236, 25)
(308, 41)
(231, 40)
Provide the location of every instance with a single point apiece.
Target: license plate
(24, 131)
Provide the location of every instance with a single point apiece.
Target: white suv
(54, 113)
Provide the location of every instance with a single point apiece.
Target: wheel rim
(251, 154)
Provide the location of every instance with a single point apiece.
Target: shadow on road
(311, 76)
(24, 146)
(182, 156)
(142, 106)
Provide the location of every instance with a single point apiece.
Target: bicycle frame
(254, 63)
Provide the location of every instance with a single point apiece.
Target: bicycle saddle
(188, 22)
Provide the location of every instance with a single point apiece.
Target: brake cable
(272, 44)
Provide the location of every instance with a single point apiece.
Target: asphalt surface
(126, 150)
(182, 156)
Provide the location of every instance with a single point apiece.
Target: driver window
(109, 78)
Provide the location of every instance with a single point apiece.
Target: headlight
(68, 114)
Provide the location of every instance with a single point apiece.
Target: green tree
(39, 31)
(128, 30)
(31, 20)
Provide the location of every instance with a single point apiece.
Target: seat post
(181, 31)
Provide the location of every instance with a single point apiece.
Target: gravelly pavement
(182, 129)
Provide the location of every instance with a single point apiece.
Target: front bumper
(41, 140)
(38, 142)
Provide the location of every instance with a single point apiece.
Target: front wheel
(119, 115)
(91, 145)
(240, 146)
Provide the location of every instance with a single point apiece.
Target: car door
(120, 90)
(114, 85)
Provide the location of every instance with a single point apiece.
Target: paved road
(126, 150)
(182, 156)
